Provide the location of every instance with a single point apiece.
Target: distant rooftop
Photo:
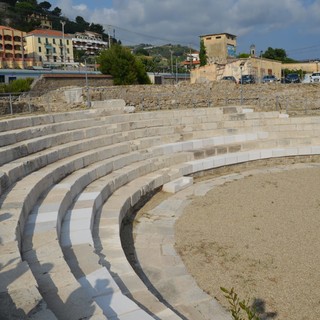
(47, 32)
(219, 34)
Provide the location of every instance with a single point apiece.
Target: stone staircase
(69, 180)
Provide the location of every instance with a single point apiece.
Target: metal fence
(10, 104)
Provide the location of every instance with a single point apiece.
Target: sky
(293, 25)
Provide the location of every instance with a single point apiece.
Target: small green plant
(240, 309)
(20, 85)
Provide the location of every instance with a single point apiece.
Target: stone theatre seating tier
(68, 180)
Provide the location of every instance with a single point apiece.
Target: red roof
(48, 33)
(8, 28)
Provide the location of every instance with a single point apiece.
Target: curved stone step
(17, 204)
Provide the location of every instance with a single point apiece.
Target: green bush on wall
(19, 85)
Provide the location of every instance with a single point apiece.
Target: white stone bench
(41, 180)
(64, 192)
(32, 161)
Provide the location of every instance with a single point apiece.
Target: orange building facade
(12, 49)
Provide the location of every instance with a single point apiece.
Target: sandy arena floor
(259, 235)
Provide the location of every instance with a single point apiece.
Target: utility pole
(109, 40)
(87, 86)
(176, 70)
(63, 45)
(171, 61)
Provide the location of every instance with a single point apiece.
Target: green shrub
(19, 85)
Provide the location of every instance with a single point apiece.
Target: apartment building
(49, 48)
(44, 21)
(12, 49)
(219, 47)
(90, 42)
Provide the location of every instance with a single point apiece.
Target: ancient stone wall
(293, 98)
(45, 84)
(296, 99)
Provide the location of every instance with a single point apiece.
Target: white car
(269, 78)
(315, 77)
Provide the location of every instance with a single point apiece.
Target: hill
(17, 15)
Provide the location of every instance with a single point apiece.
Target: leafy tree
(56, 12)
(83, 23)
(142, 76)
(10, 2)
(25, 7)
(243, 55)
(203, 54)
(34, 3)
(141, 52)
(123, 66)
(300, 72)
(45, 5)
(277, 54)
(79, 55)
(148, 62)
(98, 28)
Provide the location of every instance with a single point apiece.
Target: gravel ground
(259, 235)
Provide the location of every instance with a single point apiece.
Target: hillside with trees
(164, 58)
(14, 14)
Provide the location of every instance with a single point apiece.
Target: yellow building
(44, 21)
(50, 48)
(308, 67)
(12, 49)
(258, 67)
(219, 47)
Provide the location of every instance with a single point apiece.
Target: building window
(68, 51)
(54, 50)
(60, 42)
(39, 40)
(219, 37)
(2, 80)
(47, 42)
(67, 42)
(208, 38)
(39, 49)
(54, 41)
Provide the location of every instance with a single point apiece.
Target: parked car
(247, 78)
(269, 78)
(307, 78)
(229, 78)
(292, 78)
(315, 77)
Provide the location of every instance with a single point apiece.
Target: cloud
(81, 8)
(184, 21)
(180, 20)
